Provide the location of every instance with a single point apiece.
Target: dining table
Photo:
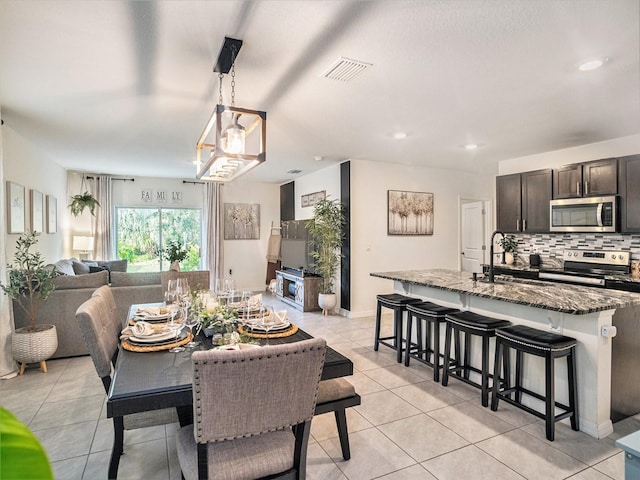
(146, 381)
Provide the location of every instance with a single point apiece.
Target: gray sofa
(72, 290)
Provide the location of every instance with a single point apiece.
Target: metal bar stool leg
(397, 320)
(496, 372)
(407, 355)
(378, 319)
(485, 371)
(573, 388)
(447, 355)
(550, 396)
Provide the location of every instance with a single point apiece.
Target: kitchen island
(575, 311)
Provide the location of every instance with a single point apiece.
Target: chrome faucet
(491, 254)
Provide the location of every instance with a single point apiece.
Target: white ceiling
(127, 87)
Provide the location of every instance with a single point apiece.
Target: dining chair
(94, 318)
(252, 412)
(198, 279)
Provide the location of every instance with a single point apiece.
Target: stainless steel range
(589, 267)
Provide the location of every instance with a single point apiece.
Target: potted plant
(510, 247)
(30, 284)
(81, 201)
(325, 230)
(175, 253)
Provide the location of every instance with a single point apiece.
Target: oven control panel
(600, 257)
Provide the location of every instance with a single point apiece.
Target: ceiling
(127, 87)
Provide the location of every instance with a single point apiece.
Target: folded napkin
(255, 301)
(140, 329)
(152, 311)
(279, 317)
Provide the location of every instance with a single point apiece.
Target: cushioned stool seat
(335, 395)
(544, 344)
(471, 323)
(398, 303)
(427, 346)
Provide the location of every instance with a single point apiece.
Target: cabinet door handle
(586, 187)
(524, 225)
(578, 188)
(517, 225)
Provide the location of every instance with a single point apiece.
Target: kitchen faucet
(491, 254)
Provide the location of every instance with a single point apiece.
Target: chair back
(109, 305)
(97, 329)
(239, 393)
(198, 279)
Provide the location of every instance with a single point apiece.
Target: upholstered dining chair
(252, 412)
(198, 279)
(101, 334)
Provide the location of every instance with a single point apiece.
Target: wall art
(310, 199)
(409, 213)
(37, 211)
(52, 214)
(241, 221)
(15, 208)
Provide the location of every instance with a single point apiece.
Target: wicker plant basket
(34, 347)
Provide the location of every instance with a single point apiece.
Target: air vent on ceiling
(295, 170)
(345, 69)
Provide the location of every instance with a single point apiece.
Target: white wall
(327, 179)
(28, 164)
(372, 250)
(617, 147)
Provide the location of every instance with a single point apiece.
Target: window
(142, 233)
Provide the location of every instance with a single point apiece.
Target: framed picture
(409, 213)
(241, 221)
(16, 221)
(310, 199)
(52, 214)
(37, 211)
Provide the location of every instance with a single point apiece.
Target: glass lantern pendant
(233, 137)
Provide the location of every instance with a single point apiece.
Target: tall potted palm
(30, 283)
(325, 229)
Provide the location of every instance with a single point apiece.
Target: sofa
(73, 290)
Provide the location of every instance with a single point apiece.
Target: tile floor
(408, 427)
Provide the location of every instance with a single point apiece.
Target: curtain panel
(213, 255)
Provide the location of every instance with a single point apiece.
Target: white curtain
(212, 231)
(8, 367)
(104, 244)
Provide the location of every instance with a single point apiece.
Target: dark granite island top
(571, 299)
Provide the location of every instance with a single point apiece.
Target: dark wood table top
(153, 380)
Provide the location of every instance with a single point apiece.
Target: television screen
(295, 254)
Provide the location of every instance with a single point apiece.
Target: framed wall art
(310, 199)
(16, 221)
(37, 211)
(241, 221)
(52, 214)
(409, 213)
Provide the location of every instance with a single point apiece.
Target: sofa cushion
(90, 280)
(123, 279)
(80, 268)
(64, 267)
(115, 265)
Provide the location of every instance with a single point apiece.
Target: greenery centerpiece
(175, 253)
(30, 284)
(325, 230)
(220, 319)
(510, 247)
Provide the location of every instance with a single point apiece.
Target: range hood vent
(345, 69)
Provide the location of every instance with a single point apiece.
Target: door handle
(586, 187)
(517, 225)
(524, 225)
(578, 188)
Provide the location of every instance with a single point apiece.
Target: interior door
(472, 236)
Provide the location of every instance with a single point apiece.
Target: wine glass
(266, 321)
(191, 320)
(170, 294)
(174, 326)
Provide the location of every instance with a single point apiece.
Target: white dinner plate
(156, 337)
(276, 328)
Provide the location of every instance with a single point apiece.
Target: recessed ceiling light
(591, 65)
(294, 170)
(399, 135)
(317, 158)
(471, 146)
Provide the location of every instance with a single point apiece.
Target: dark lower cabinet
(522, 201)
(629, 183)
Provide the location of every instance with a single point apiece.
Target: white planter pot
(327, 302)
(34, 347)
(508, 258)
(175, 266)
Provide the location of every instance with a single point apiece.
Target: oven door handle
(599, 214)
(571, 278)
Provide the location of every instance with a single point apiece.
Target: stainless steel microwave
(594, 214)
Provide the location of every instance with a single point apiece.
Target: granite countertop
(573, 299)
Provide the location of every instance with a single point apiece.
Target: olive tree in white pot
(30, 283)
(325, 230)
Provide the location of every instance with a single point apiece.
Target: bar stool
(398, 303)
(541, 344)
(471, 323)
(433, 314)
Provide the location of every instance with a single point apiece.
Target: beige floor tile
(372, 455)
(530, 457)
(589, 474)
(427, 396)
(324, 426)
(97, 466)
(625, 427)
(612, 467)
(393, 376)
(363, 384)
(579, 445)
(470, 421)
(469, 463)
(68, 441)
(415, 472)
(30, 395)
(145, 460)
(384, 407)
(70, 469)
(25, 413)
(320, 466)
(67, 412)
(512, 414)
(422, 437)
(371, 360)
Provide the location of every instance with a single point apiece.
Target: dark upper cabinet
(508, 203)
(629, 183)
(287, 202)
(536, 195)
(590, 179)
(522, 201)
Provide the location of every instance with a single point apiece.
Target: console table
(299, 291)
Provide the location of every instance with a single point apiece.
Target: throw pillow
(64, 267)
(80, 268)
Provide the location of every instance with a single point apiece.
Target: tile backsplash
(551, 245)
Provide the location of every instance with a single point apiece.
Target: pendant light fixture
(230, 155)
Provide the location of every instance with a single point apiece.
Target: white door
(472, 236)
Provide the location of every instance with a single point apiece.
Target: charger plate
(293, 328)
(156, 348)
